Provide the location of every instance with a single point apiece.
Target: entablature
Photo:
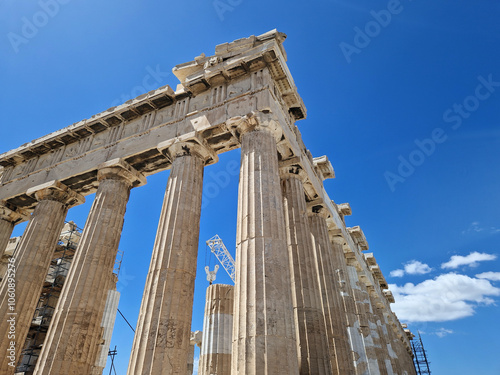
(256, 79)
(359, 237)
(389, 296)
(242, 57)
(344, 209)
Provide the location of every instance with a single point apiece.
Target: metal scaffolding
(420, 356)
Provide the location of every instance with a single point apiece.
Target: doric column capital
(317, 207)
(377, 298)
(363, 277)
(292, 169)
(197, 338)
(389, 296)
(371, 291)
(56, 191)
(351, 260)
(253, 121)
(190, 144)
(344, 209)
(358, 237)
(12, 214)
(118, 169)
(323, 168)
(337, 239)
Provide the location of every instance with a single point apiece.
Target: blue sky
(403, 97)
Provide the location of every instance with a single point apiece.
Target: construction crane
(211, 274)
(226, 260)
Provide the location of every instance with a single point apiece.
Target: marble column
(384, 341)
(9, 217)
(108, 324)
(333, 308)
(190, 358)
(372, 328)
(263, 332)
(73, 340)
(402, 350)
(31, 262)
(162, 338)
(312, 346)
(392, 344)
(196, 339)
(362, 316)
(408, 360)
(215, 357)
(359, 358)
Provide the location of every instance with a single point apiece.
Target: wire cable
(133, 330)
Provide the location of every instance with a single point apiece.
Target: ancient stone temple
(307, 300)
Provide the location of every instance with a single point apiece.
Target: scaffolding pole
(420, 356)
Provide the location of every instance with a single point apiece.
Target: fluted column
(312, 346)
(372, 328)
(72, 342)
(400, 352)
(215, 357)
(161, 342)
(353, 324)
(333, 308)
(196, 339)
(408, 360)
(263, 333)
(31, 262)
(385, 352)
(6, 228)
(9, 217)
(190, 358)
(362, 316)
(108, 323)
(392, 344)
(404, 357)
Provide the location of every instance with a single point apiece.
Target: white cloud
(475, 227)
(397, 273)
(442, 332)
(447, 297)
(493, 276)
(415, 267)
(470, 260)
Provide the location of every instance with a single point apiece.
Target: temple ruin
(307, 299)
